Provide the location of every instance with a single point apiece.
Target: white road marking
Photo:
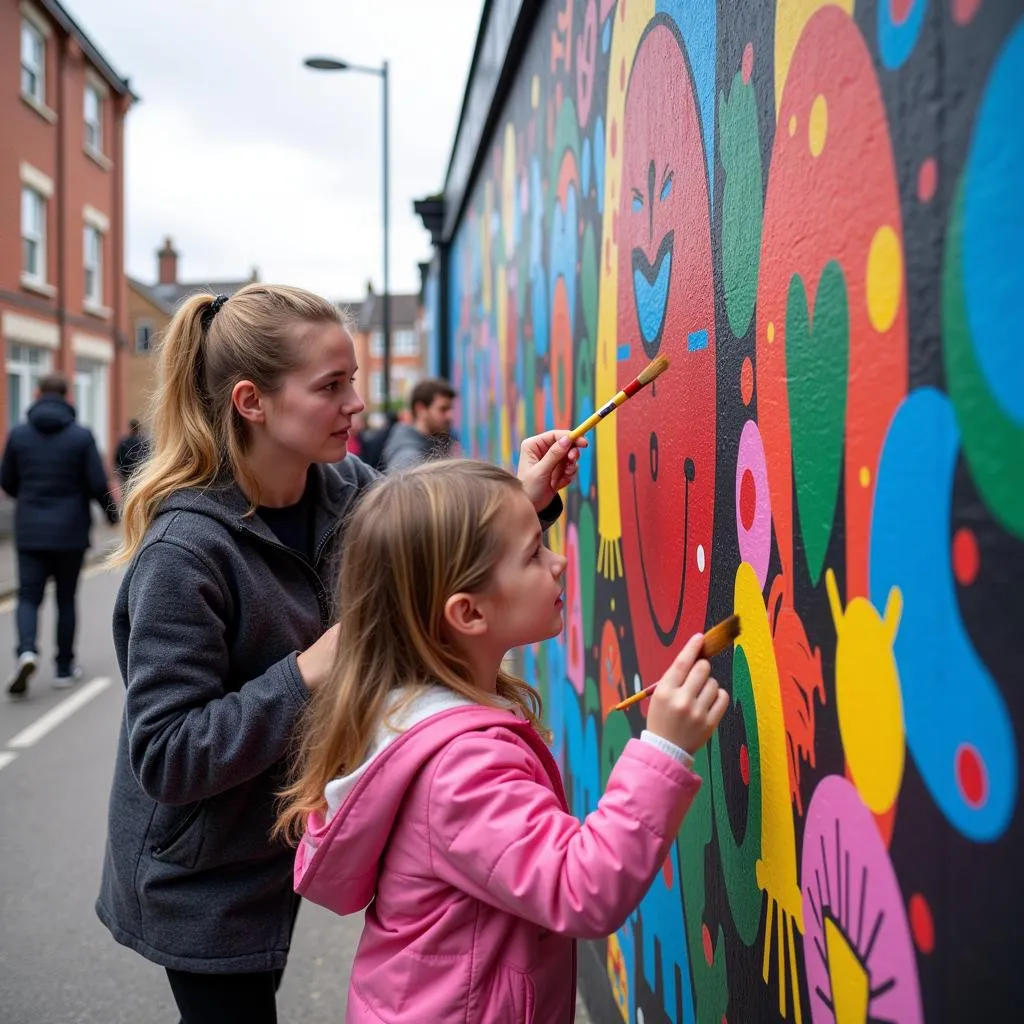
(6, 757)
(33, 733)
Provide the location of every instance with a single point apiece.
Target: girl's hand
(317, 661)
(687, 704)
(547, 464)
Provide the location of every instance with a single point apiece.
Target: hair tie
(212, 310)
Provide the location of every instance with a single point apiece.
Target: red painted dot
(613, 142)
(747, 381)
(748, 499)
(964, 10)
(666, 872)
(927, 179)
(745, 765)
(966, 560)
(971, 775)
(747, 66)
(921, 925)
(709, 953)
(900, 10)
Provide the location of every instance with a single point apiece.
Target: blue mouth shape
(650, 290)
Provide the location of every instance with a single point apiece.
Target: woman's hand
(547, 464)
(316, 662)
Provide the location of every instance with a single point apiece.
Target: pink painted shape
(755, 542)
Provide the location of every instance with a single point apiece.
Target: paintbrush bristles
(718, 638)
(655, 368)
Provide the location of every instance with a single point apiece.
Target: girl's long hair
(414, 540)
(198, 435)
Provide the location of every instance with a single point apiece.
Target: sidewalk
(104, 539)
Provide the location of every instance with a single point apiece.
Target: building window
(93, 262)
(376, 388)
(93, 120)
(33, 234)
(143, 336)
(25, 365)
(91, 397)
(404, 343)
(33, 63)
(377, 344)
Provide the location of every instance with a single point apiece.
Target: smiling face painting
(666, 435)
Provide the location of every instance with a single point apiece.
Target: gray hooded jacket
(207, 624)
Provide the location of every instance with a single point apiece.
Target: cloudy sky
(248, 159)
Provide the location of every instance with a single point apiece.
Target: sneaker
(27, 663)
(65, 680)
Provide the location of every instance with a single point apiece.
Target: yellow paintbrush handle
(592, 421)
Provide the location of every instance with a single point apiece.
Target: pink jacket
(479, 877)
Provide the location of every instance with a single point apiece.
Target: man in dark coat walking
(132, 451)
(52, 468)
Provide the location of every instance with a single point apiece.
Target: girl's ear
(464, 616)
(246, 398)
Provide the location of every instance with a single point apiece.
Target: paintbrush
(653, 369)
(716, 640)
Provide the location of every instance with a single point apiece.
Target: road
(58, 964)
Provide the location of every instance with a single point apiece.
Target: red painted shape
(971, 775)
(747, 381)
(819, 209)
(748, 499)
(900, 10)
(709, 952)
(745, 765)
(664, 520)
(927, 179)
(747, 65)
(964, 10)
(922, 927)
(966, 560)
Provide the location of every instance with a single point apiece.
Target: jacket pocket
(182, 843)
(511, 998)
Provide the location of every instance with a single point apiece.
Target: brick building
(63, 302)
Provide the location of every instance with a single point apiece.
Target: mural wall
(816, 210)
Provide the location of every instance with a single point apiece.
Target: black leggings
(226, 998)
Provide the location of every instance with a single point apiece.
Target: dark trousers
(34, 569)
(226, 998)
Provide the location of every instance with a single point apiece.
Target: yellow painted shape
(535, 92)
(790, 18)
(850, 983)
(618, 978)
(556, 537)
(869, 702)
(626, 33)
(776, 869)
(504, 413)
(817, 125)
(884, 279)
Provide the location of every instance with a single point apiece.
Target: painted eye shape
(638, 202)
(666, 188)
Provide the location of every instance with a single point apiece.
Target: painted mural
(816, 210)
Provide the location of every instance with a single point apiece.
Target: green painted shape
(817, 360)
(739, 859)
(591, 698)
(615, 734)
(589, 282)
(739, 148)
(567, 136)
(993, 443)
(710, 984)
(588, 563)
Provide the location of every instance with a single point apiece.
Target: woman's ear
(248, 401)
(464, 616)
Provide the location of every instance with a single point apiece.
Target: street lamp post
(331, 64)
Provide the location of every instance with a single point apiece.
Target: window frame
(39, 239)
(31, 29)
(94, 297)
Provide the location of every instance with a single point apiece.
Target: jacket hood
(51, 414)
(371, 796)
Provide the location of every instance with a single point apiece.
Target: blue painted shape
(585, 473)
(585, 157)
(896, 41)
(599, 162)
(662, 917)
(606, 34)
(638, 204)
(994, 229)
(697, 21)
(949, 697)
(666, 189)
(652, 298)
(555, 712)
(696, 341)
(583, 762)
(622, 352)
(565, 242)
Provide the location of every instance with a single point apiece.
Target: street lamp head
(325, 64)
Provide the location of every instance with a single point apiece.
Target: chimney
(254, 278)
(168, 263)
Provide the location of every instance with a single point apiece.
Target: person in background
(53, 470)
(132, 451)
(428, 436)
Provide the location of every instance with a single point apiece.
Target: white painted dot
(637, 685)
(700, 557)
(639, 1016)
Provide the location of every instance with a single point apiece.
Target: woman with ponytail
(224, 624)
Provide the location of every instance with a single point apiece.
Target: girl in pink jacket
(423, 790)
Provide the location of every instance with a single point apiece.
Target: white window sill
(95, 309)
(98, 158)
(33, 284)
(40, 108)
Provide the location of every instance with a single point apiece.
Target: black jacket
(132, 452)
(52, 468)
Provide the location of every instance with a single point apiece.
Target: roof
(404, 312)
(102, 65)
(146, 291)
(173, 294)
